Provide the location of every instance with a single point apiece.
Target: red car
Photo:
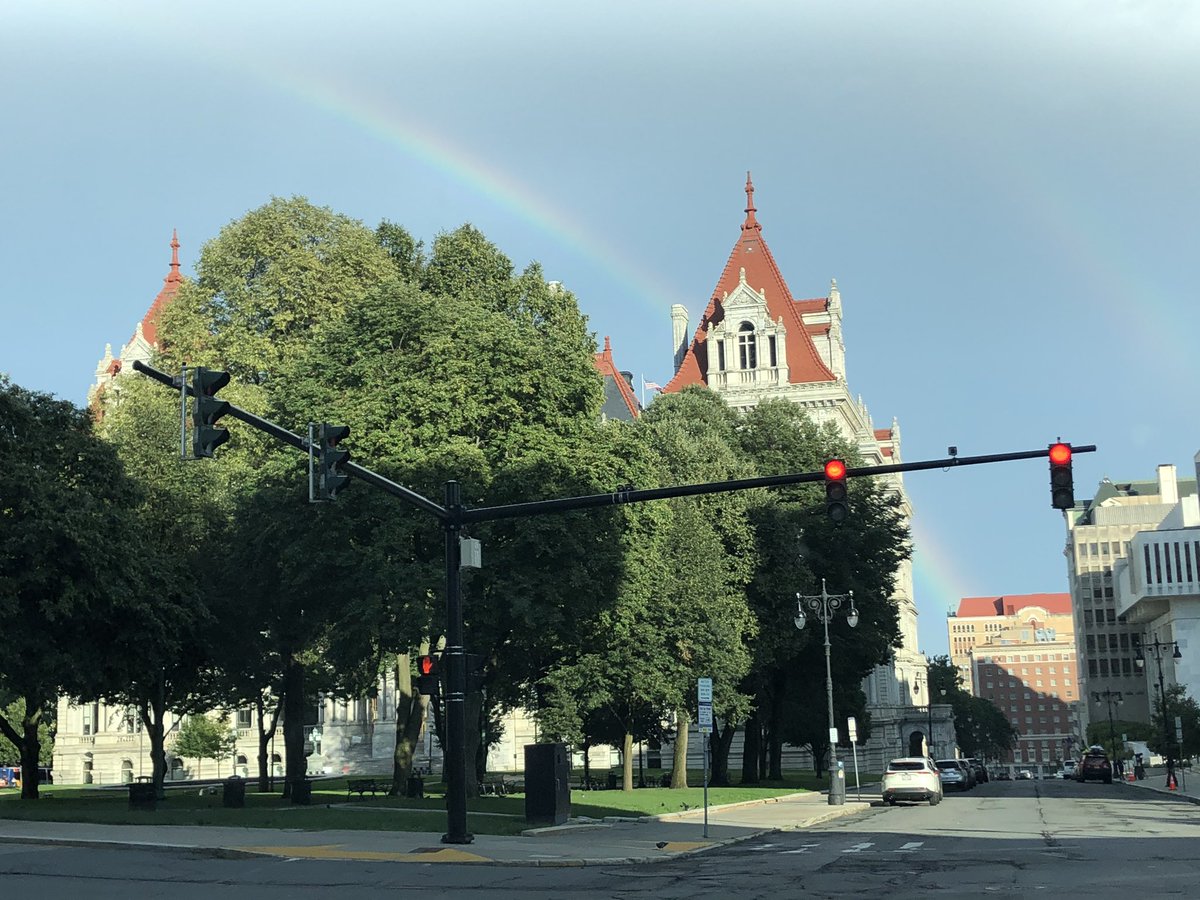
(1095, 767)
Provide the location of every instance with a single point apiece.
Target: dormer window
(747, 347)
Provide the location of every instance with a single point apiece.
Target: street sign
(852, 728)
(704, 690)
(705, 717)
(1179, 729)
(833, 736)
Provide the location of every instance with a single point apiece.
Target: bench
(361, 785)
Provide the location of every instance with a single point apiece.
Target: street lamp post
(1110, 697)
(823, 606)
(1159, 647)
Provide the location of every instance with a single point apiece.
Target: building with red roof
(1018, 651)
(754, 342)
(145, 335)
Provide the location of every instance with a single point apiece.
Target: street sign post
(704, 709)
(852, 730)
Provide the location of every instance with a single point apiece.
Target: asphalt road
(1007, 839)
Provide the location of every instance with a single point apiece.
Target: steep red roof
(169, 289)
(1007, 605)
(608, 369)
(750, 252)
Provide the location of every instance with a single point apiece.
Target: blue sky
(1006, 193)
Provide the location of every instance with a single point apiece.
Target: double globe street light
(1159, 648)
(824, 605)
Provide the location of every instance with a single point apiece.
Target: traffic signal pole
(454, 516)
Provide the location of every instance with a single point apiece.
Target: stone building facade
(754, 342)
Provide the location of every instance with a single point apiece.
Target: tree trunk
(775, 745)
(720, 742)
(265, 736)
(153, 712)
(30, 747)
(750, 742)
(627, 762)
(587, 768)
(679, 753)
(295, 764)
(411, 709)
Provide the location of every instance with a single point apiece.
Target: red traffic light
(427, 665)
(835, 469)
(1060, 454)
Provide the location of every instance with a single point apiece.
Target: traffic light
(1062, 481)
(429, 675)
(330, 478)
(206, 410)
(837, 504)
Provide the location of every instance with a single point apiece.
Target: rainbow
(384, 119)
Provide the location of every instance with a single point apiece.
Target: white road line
(910, 847)
(858, 848)
(763, 847)
(803, 849)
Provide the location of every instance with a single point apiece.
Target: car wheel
(935, 799)
(1108, 779)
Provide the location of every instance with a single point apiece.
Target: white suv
(912, 778)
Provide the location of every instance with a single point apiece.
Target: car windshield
(905, 765)
(948, 764)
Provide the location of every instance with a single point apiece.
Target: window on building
(245, 718)
(771, 345)
(1093, 669)
(720, 356)
(747, 347)
(1104, 668)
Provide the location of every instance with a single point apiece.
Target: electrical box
(470, 553)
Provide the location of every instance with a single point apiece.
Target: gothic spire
(751, 223)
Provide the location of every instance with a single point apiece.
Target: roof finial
(607, 344)
(174, 275)
(751, 224)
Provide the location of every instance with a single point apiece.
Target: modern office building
(1100, 537)
(1157, 593)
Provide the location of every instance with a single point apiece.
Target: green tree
(70, 560)
(268, 287)
(1184, 707)
(799, 548)
(983, 730)
(205, 737)
(10, 753)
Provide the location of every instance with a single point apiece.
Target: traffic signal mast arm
(301, 443)
(541, 507)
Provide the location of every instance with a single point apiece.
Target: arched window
(126, 771)
(747, 347)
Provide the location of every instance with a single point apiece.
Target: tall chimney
(679, 324)
(1168, 484)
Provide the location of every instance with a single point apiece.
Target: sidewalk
(1156, 780)
(649, 839)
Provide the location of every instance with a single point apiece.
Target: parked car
(1068, 768)
(1095, 767)
(912, 778)
(1024, 775)
(962, 766)
(1003, 775)
(981, 772)
(953, 778)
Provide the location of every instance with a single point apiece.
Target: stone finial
(751, 223)
(742, 274)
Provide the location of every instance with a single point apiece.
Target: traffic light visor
(1060, 454)
(835, 469)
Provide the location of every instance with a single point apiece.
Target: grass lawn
(330, 809)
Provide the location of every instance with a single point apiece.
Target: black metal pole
(1162, 698)
(1112, 732)
(456, 678)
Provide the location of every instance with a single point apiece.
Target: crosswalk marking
(803, 849)
(910, 847)
(858, 848)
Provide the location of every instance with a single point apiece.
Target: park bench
(361, 785)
